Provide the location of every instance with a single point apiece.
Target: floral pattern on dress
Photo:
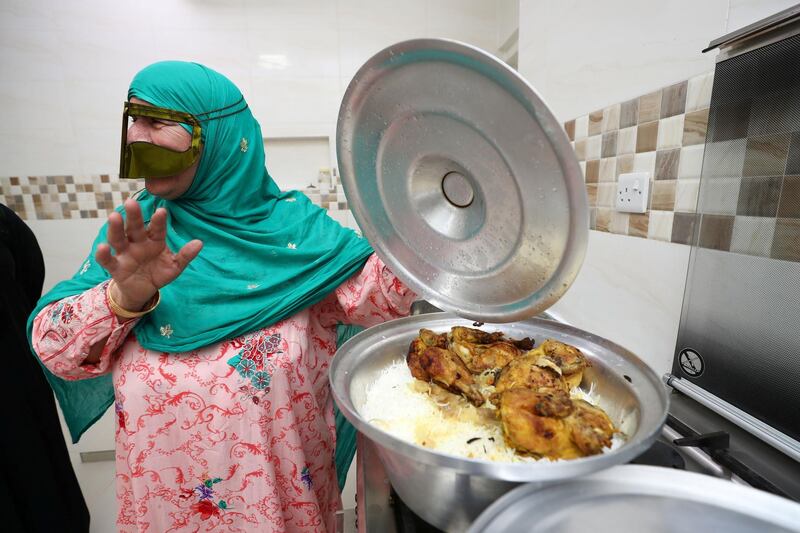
(238, 436)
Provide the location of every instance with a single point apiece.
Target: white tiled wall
(66, 65)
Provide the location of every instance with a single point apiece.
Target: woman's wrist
(126, 307)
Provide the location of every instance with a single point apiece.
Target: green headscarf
(266, 254)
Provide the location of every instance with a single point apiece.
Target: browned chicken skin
(590, 427)
(525, 371)
(482, 357)
(533, 422)
(568, 358)
(444, 368)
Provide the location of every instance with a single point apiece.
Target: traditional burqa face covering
(266, 254)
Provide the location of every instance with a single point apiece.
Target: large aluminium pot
(449, 492)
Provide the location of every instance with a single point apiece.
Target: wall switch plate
(633, 190)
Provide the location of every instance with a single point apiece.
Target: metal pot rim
(516, 472)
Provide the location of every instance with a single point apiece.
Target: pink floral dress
(238, 436)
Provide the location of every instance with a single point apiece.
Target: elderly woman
(207, 313)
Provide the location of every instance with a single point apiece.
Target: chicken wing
(444, 368)
(533, 422)
(591, 429)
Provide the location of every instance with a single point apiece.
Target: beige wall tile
(647, 136)
(691, 162)
(602, 219)
(660, 225)
(580, 149)
(626, 141)
(593, 147)
(670, 132)
(694, 127)
(581, 127)
(686, 192)
(592, 171)
(753, 235)
(605, 194)
(595, 122)
(637, 225)
(650, 107)
(611, 118)
(645, 162)
(618, 223)
(663, 195)
(698, 92)
(608, 168)
(624, 164)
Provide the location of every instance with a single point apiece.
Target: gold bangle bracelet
(124, 313)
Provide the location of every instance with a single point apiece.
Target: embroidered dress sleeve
(372, 296)
(64, 331)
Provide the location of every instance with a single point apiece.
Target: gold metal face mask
(141, 159)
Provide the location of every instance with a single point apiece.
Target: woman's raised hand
(142, 262)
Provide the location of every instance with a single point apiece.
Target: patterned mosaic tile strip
(95, 196)
(749, 199)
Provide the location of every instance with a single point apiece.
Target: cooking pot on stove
(467, 187)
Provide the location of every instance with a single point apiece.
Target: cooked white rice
(426, 415)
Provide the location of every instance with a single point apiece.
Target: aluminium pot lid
(462, 180)
(640, 498)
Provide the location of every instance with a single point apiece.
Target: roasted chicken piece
(443, 367)
(531, 372)
(590, 428)
(431, 338)
(474, 336)
(568, 358)
(482, 357)
(534, 422)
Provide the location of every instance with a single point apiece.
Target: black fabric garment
(38, 488)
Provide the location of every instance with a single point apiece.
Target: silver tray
(462, 180)
(640, 498)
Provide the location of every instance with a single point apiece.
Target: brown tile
(624, 164)
(580, 149)
(595, 122)
(629, 113)
(647, 136)
(650, 107)
(593, 218)
(14, 180)
(591, 193)
(758, 197)
(637, 225)
(694, 127)
(104, 178)
(729, 121)
(609, 148)
(716, 231)
(667, 164)
(766, 155)
(790, 198)
(592, 171)
(569, 127)
(673, 100)
(786, 242)
(603, 219)
(70, 179)
(683, 228)
(663, 196)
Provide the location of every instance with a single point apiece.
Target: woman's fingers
(157, 229)
(105, 259)
(116, 232)
(187, 253)
(134, 223)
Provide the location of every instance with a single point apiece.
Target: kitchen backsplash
(72, 197)
(749, 199)
(662, 133)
